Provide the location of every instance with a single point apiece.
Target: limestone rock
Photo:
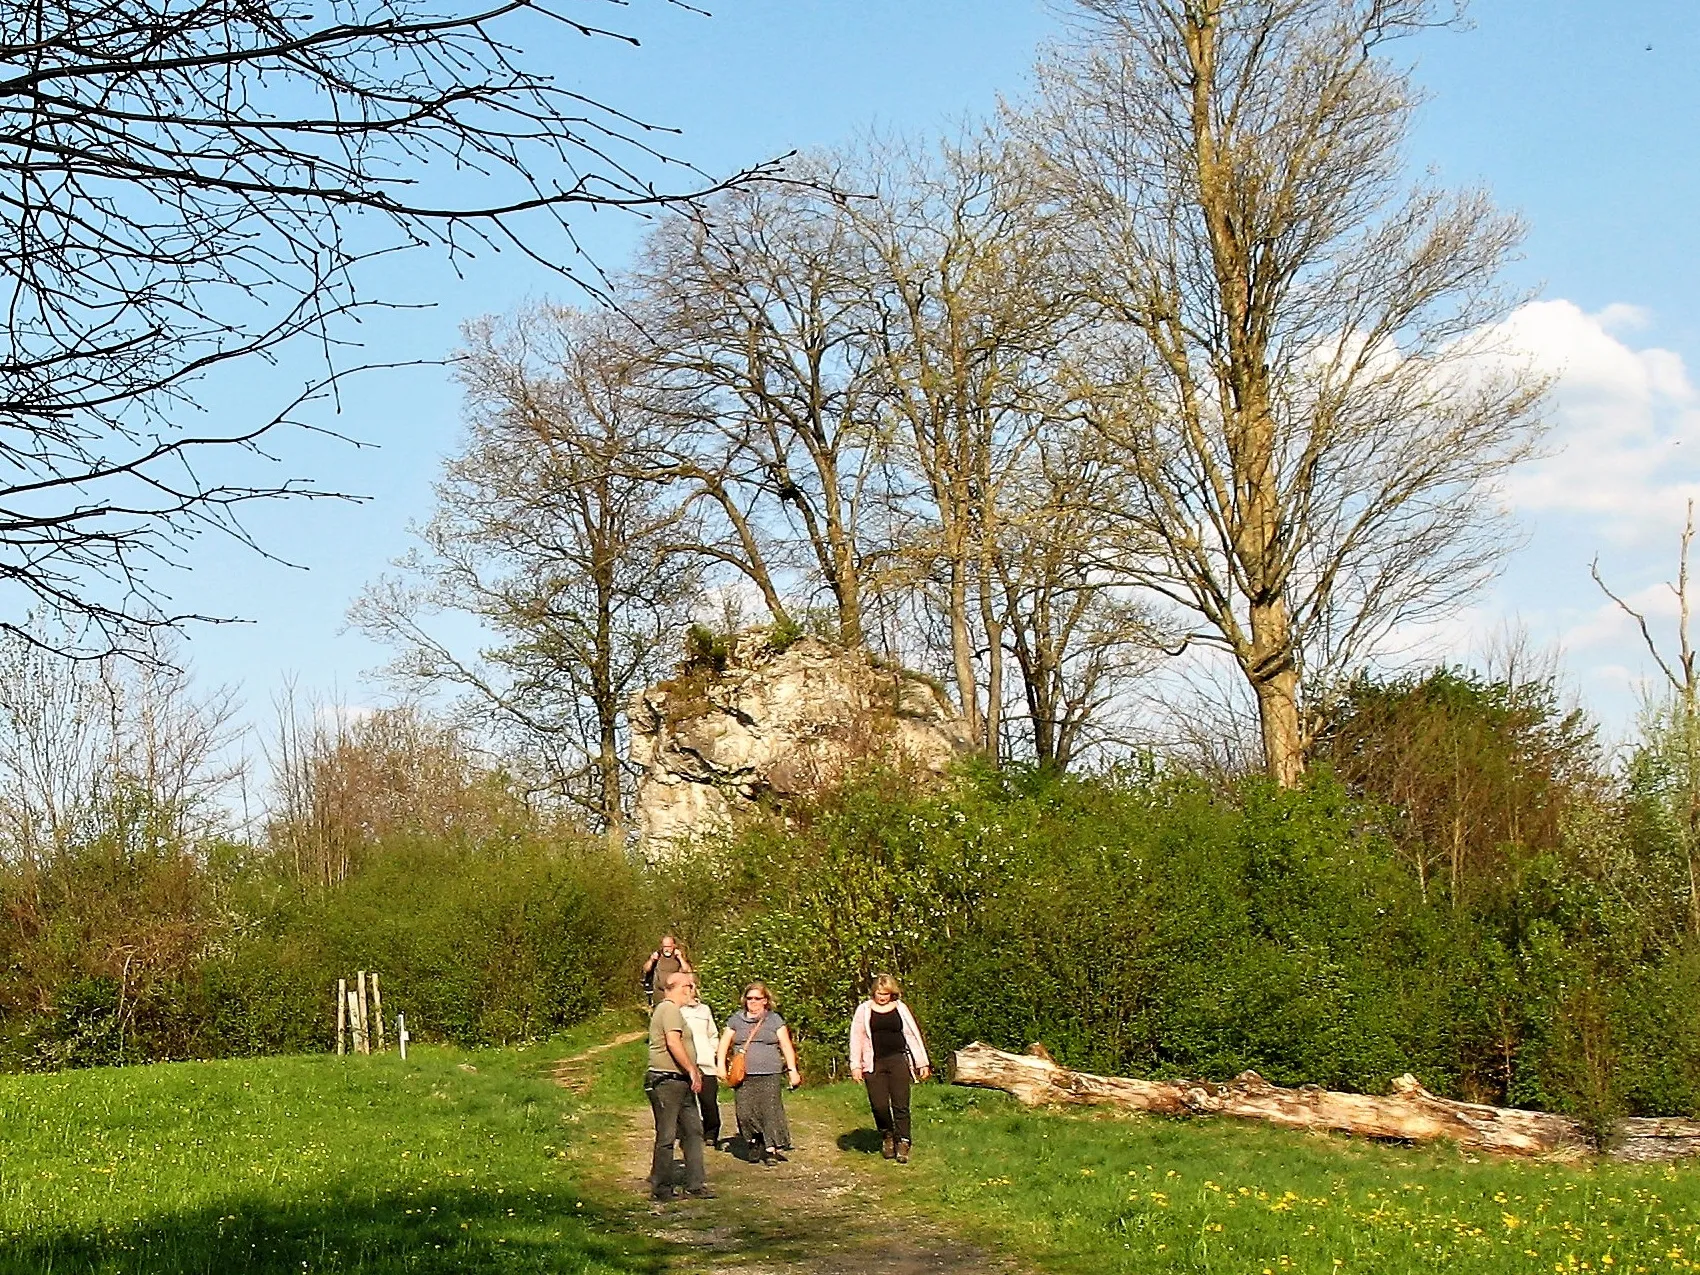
(774, 724)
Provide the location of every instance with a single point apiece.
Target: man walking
(673, 1081)
(664, 962)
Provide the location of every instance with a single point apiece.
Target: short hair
(674, 977)
(886, 983)
(759, 986)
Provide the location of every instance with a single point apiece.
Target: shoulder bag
(735, 1065)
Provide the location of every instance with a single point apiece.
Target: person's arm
(650, 963)
(685, 966)
(725, 1048)
(682, 1056)
(858, 1028)
(790, 1055)
(917, 1046)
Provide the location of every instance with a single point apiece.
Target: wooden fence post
(366, 1019)
(356, 1029)
(341, 1012)
(401, 1034)
(378, 1011)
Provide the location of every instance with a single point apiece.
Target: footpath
(826, 1211)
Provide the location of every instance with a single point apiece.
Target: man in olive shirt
(673, 1081)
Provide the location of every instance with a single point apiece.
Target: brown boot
(888, 1146)
(903, 1151)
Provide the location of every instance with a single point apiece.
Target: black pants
(888, 1095)
(708, 1102)
(676, 1120)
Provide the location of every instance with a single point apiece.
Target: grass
(451, 1162)
(476, 1163)
(1094, 1192)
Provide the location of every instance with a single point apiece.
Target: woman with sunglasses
(758, 1032)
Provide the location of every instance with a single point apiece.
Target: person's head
(680, 988)
(757, 999)
(669, 944)
(886, 989)
(696, 990)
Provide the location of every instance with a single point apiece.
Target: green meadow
(476, 1162)
(1096, 1192)
(449, 1162)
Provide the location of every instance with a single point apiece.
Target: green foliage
(706, 650)
(152, 954)
(782, 635)
(1150, 924)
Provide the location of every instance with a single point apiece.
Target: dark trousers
(676, 1120)
(888, 1095)
(708, 1103)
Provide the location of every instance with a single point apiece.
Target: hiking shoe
(770, 1156)
(661, 1194)
(903, 1151)
(888, 1146)
(777, 1154)
(700, 1193)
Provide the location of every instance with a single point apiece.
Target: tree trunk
(962, 648)
(1410, 1114)
(1275, 681)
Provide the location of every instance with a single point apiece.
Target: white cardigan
(862, 1038)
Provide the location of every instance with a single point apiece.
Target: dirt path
(577, 1072)
(823, 1212)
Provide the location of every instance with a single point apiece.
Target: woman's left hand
(926, 1072)
(796, 1078)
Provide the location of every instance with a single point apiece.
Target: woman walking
(886, 1052)
(757, 1032)
(703, 1035)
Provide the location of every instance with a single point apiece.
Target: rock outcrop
(771, 724)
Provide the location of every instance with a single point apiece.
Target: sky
(1578, 114)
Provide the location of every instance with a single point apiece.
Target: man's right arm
(650, 963)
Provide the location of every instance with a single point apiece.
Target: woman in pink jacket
(886, 1052)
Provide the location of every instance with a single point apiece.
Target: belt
(654, 1077)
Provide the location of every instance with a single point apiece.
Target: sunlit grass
(449, 1162)
(1088, 1192)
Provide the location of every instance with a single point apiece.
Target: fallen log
(1410, 1113)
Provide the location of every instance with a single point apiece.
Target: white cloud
(1624, 448)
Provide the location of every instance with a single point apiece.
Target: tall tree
(1308, 418)
(751, 305)
(185, 185)
(549, 533)
(966, 311)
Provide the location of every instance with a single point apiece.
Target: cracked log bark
(1410, 1113)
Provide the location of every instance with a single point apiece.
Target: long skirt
(760, 1106)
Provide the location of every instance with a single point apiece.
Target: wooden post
(341, 1012)
(378, 1011)
(365, 1017)
(401, 1034)
(356, 1029)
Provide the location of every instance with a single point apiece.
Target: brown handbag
(735, 1065)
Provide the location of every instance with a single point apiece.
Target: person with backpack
(665, 961)
(887, 1054)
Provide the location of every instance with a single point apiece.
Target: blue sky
(1560, 107)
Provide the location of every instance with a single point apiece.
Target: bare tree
(751, 304)
(550, 534)
(1672, 726)
(966, 314)
(76, 739)
(1307, 414)
(188, 185)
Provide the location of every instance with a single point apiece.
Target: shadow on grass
(867, 1141)
(430, 1232)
